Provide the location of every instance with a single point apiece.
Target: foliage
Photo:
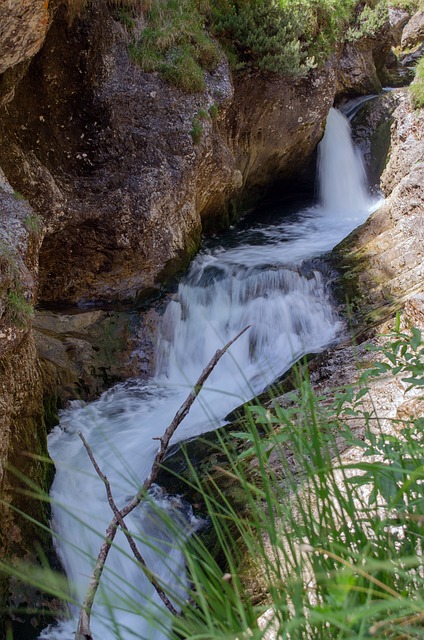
(213, 111)
(416, 89)
(176, 44)
(334, 543)
(18, 196)
(289, 37)
(282, 36)
(370, 21)
(411, 6)
(34, 224)
(17, 310)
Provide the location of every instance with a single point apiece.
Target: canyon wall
(106, 188)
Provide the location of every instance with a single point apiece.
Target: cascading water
(269, 281)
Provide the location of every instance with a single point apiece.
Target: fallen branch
(149, 575)
(83, 629)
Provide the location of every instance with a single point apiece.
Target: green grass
(176, 44)
(34, 224)
(17, 311)
(416, 89)
(183, 38)
(332, 545)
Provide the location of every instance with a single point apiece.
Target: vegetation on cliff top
(180, 39)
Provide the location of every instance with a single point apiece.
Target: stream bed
(271, 277)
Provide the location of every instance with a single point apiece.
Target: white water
(266, 282)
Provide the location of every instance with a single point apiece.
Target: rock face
(105, 155)
(23, 28)
(384, 258)
(413, 33)
(398, 18)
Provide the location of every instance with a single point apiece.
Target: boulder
(413, 33)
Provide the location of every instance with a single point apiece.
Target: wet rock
(87, 352)
(383, 260)
(413, 33)
(371, 132)
(357, 71)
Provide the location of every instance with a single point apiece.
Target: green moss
(18, 196)
(34, 224)
(417, 87)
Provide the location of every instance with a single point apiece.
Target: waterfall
(342, 178)
(269, 277)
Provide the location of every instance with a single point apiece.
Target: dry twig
(83, 629)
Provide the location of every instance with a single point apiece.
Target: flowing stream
(271, 278)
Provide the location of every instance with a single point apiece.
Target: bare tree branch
(83, 629)
(149, 574)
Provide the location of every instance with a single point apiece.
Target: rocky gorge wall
(106, 190)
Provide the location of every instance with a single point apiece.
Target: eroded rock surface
(105, 153)
(384, 258)
(413, 33)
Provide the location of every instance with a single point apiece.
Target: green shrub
(281, 36)
(370, 21)
(416, 89)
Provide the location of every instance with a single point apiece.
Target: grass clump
(416, 89)
(334, 543)
(18, 310)
(176, 44)
(196, 130)
(34, 224)
(19, 196)
(214, 111)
